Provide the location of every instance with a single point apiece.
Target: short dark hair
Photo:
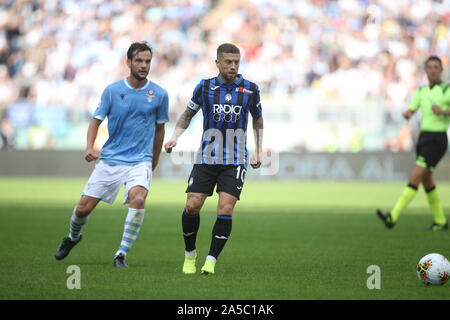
(227, 48)
(137, 47)
(433, 58)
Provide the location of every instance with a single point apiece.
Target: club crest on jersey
(150, 95)
(228, 97)
(242, 89)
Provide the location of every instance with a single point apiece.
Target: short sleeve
(414, 103)
(105, 105)
(197, 100)
(162, 113)
(446, 91)
(255, 107)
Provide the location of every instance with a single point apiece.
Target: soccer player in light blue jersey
(136, 109)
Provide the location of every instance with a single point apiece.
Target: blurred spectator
(343, 60)
(6, 132)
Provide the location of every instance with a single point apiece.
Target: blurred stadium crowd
(337, 73)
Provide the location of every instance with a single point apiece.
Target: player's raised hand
(255, 160)
(170, 145)
(91, 155)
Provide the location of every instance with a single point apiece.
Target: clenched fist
(170, 145)
(91, 155)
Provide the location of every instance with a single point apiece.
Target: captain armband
(192, 105)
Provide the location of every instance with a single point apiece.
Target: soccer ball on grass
(433, 269)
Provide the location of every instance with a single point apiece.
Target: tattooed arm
(182, 124)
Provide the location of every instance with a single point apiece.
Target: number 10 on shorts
(240, 174)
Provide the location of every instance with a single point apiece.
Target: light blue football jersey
(132, 117)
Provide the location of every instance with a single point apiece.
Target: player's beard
(230, 78)
(138, 77)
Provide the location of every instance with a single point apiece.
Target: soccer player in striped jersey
(434, 100)
(222, 159)
(137, 109)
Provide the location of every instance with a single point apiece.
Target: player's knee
(226, 209)
(83, 210)
(417, 176)
(137, 201)
(193, 207)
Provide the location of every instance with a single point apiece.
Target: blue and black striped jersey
(225, 109)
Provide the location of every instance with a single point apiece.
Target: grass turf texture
(290, 241)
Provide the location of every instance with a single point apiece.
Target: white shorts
(105, 181)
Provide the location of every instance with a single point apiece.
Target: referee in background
(434, 101)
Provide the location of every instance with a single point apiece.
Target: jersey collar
(436, 85)
(235, 83)
(125, 80)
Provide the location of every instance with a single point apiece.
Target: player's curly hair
(137, 47)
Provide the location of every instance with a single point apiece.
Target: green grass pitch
(290, 241)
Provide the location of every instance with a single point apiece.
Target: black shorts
(228, 178)
(430, 149)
